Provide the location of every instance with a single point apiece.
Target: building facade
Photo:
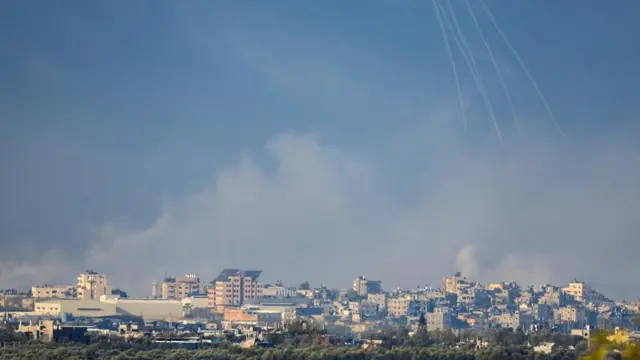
(75, 307)
(53, 291)
(92, 285)
(404, 306)
(233, 288)
(180, 288)
(363, 286)
(580, 291)
(440, 319)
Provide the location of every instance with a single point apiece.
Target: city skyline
(169, 287)
(317, 142)
(238, 298)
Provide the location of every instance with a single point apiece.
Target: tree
(422, 321)
(122, 294)
(304, 286)
(603, 348)
(9, 335)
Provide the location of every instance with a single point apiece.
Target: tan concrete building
(517, 320)
(575, 315)
(233, 287)
(361, 310)
(50, 330)
(40, 330)
(243, 316)
(553, 296)
(379, 299)
(180, 288)
(363, 286)
(17, 302)
(287, 310)
(75, 307)
(404, 306)
(148, 309)
(53, 291)
(92, 285)
(440, 319)
(453, 284)
(579, 291)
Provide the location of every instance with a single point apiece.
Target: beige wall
(242, 316)
(149, 309)
(41, 331)
(76, 307)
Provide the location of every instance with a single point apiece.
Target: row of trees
(300, 342)
(399, 336)
(69, 352)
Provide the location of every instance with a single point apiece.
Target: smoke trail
(464, 48)
(522, 64)
(495, 64)
(453, 63)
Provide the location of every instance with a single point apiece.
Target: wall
(149, 309)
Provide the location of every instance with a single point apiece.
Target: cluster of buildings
(237, 299)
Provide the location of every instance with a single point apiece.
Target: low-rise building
(53, 291)
(243, 316)
(148, 309)
(50, 330)
(74, 307)
(16, 301)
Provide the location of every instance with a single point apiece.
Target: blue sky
(117, 116)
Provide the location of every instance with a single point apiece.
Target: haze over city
(317, 141)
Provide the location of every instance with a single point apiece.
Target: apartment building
(53, 291)
(580, 291)
(454, 284)
(251, 316)
(233, 288)
(575, 316)
(404, 306)
(180, 288)
(440, 319)
(92, 285)
(363, 309)
(553, 296)
(516, 320)
(363, 286)
(379, 299)
(544, 312)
